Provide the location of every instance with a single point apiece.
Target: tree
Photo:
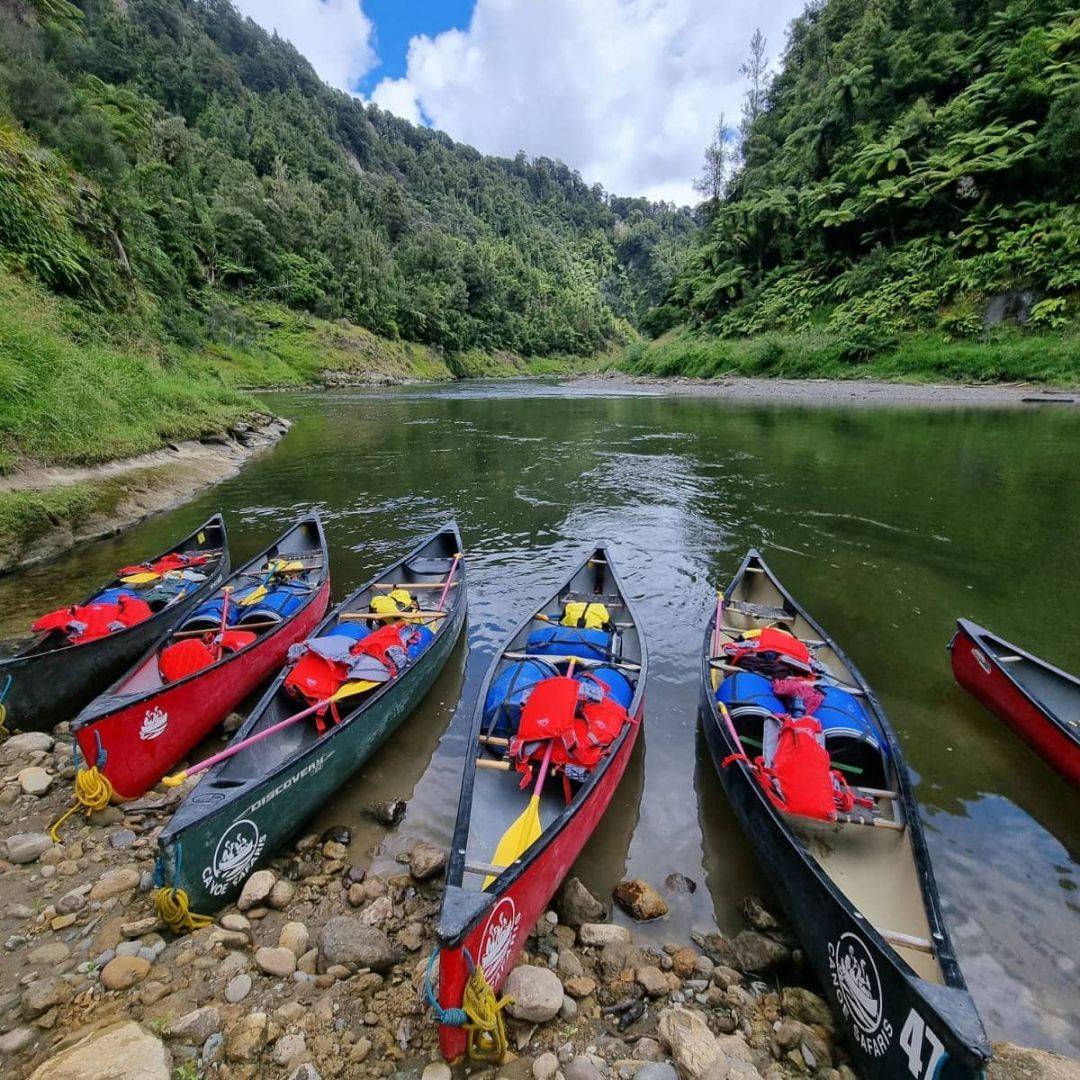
(713, 181)
(756, 71)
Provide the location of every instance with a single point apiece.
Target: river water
(885, 523)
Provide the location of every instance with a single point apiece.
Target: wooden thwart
(413, 585)
(216, 630)
(492, 763)
(908, 941)
(577, 659)
(485, 869)
(356, 616)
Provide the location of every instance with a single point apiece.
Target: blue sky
(628, 92)
(397, 21)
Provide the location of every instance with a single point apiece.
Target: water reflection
(887, 524)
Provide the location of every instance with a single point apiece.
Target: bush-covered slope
(912, 159)
(160, 158)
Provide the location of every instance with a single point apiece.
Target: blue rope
(7, 687)
(449, 1017)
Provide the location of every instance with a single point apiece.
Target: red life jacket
(778, 644)
(315, 678)
(173, 561)
(97, 620)
(379, 642)
(185, 657)
(801, 768)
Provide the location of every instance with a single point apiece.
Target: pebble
(598, 935)
(387, 813)
(15, 1040)
(657, 1070)
(426, 861)
(121, 839)
(278, 962)
(26, 847)
(43, 994)
(545, 1067)
(639, 899)
(537, 993)
(53, 952)
(115, 882)
(25, 743)
(196, 1026)
(337, 834)
(437, 1070)
(289, 1047)
(294, 937)
(281, 895)
(238, 988)
(583, 1068)
(35, 781)
(256, 889)
(233, 921)
(123, 972)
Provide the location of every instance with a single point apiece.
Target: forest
(908, 162)
(162, 159)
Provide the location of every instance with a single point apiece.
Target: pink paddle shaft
(229, 751)
(220, 646)
(449, 578)
(551, 743)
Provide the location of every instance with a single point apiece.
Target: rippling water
(886, 524)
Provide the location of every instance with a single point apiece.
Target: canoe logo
(497, 940)
(154, 723)
(858, 989)
(240, 845)
(980, 658)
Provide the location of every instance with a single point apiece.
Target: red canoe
(488, 926)
(1039, 702)
(145, 723)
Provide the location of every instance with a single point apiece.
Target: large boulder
(346, 940)
(639, 899)
(576, 905)
(122, 1051)
(537, 993)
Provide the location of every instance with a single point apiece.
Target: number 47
(912, 1036)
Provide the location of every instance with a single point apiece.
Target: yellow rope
(92, 792)
(172, 908)
(4, 733)
(487, 1031)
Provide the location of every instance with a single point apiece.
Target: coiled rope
(92, 792)
(173, 910)
(481, 1014)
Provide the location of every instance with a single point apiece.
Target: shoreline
(842, 392)
(107, 498)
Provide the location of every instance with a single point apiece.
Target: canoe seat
(759, 611)
(423, 566)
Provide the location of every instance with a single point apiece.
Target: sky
(628, 92)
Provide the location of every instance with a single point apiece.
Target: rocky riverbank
(318, 968)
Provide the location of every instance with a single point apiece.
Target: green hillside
(911, 169)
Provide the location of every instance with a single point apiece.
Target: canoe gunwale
(463, 908)
(110, 701)
(979, 635)
(457, 605)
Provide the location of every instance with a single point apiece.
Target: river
(886, 523)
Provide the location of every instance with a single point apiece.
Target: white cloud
(335, 35)
(626, 91)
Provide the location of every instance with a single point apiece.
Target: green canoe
(247, 807)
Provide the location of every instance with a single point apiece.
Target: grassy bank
(1004, 355)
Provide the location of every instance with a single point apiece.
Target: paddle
(140, 579)
(273, 568)
(441, 605)
(350, 688)
(224, 621)
(526, 830)
(714, 648)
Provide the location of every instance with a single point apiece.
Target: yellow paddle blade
(175, 780)
(351, 688)
(518, 838)
(285, 566)
(140, 579)
(253, 597)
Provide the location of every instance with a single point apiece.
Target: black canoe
(245, 808)
(490, 924)
(51, 679)
(860, 894)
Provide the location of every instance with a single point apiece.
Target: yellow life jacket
(398, 600)
(586, 616)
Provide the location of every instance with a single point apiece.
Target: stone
(42, 994)
(345, 940)
(116, 882)
(684, 962)
(648, 1049)
(805, 1005)
(639, 899)
(426, 861)
(246, 1038)
(537, 993)
(236, 923)
(755, 914)
(26, 847)
(437, 1070)
(583, 1067)
(25, 743)
(337, 834)
(35, 780)
(679, 884)
(690, 1042)
(758, 952)
(281, 895)
(576, 905)
(657, 1070)
(238, 988)
(52, 952)
(309, 962)
(652, 980)
(280, 962)
(568, 965)
(16, 1040)
(294, 937)
(306, 1071)
(256, 889)
(615, 958)
(387, 813)
(545, 1067)
(377, 912)
(123, 972)
(579, 987)
(1019, 1063)
(568, 1010)
(196, 1026)
(289, 1047)
(334, 851)
(597, 935)
(125, 1049)
(122, 838)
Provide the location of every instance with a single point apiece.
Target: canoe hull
(134, 746)
(888, 1008)
(498, 934)
(196, 859)
(983, 678)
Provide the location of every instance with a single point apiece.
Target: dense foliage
(911, 159)
(169, 155)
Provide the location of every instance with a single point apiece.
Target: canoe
(859, 891)
(245, 808)
(49, 680)
(1041, 703)
(489, 925)
(143, 724)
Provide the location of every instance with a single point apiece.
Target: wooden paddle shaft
(407, 585)
(356, 616)
(578, 659)
(209, 630)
